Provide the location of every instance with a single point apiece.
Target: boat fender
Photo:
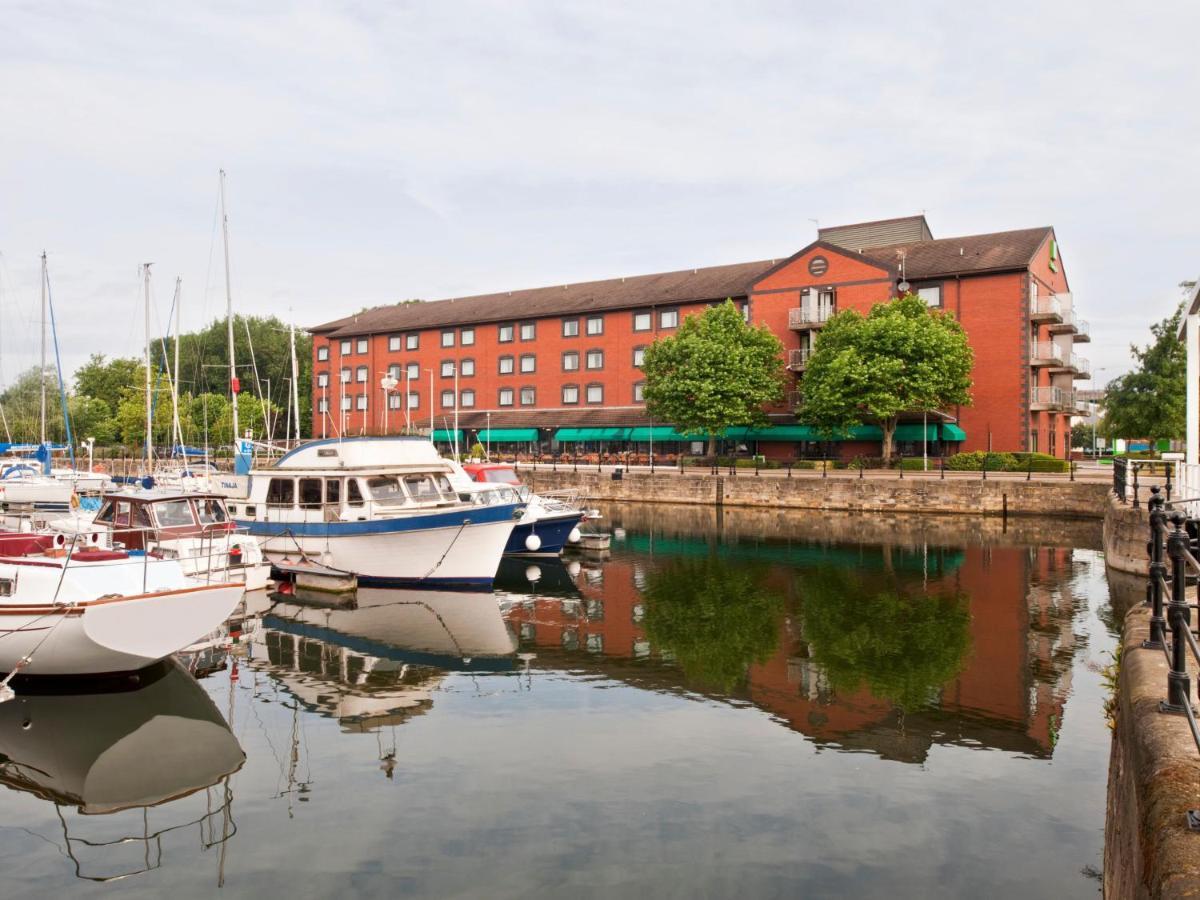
(74, 500)
(60, 540)
(533, 574)
(533, 543)
(574, 536)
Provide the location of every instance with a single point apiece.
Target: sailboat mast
(42, 371)
(149, 398)
(295, 380)
(233, 381)
(175, 379)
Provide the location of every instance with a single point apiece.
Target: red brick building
(560, 365)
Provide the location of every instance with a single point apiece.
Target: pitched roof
(971, 254)
(689, 285)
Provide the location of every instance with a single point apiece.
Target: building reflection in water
(860, 639)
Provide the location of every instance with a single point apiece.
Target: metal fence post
(900, 458)
(983, 468)
(1168, 467)
(1135, 486)
(789, 468)
(1179, 684)
(824, 468)
(1071, 468)
(1158, 573)
(1029, 468)
(943, 458)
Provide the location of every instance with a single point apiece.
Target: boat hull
(118, 634)
(552, 531)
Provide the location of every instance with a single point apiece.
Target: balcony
(1050, 398)
(793, 400)
(1065, 325)
(798, 359)
(1045, 309)
(1082, 407)
(1083, 333)
(1083, 368)
(805, 317)
(1045, 353)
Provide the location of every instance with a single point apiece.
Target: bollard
(1158, 570)
(1179, 685)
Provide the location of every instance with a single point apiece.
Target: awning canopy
(660, 433)
(574, 435)
(911, 431)
(447, 436)
(506, 435)
(953, 433)
(809, 433)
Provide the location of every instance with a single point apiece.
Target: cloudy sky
(377, 152)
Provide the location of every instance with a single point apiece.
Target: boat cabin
(162, 515)
(492, 473)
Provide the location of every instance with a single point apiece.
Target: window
(639, 356)
(642, 321)
(345, 348)
(447, 399)
(506, 334)
(570, 327)
(174, 513)
(528, 363)
(668, 318)
(595, 393)
(361, 402)
(354, 495)
(528, 396)
(322, 405)
(528, 331)
(570, 393)
(310, 493)
(393, 401)
(570, 361)
(322, 379)
(447, 368)
(466, 337)
(639, 390)
(281, 492)
(414, 371)
(333, 490)
(414, 400)
(467, 399)
(345, 375)
(394, 371)
(346, 401)
(506, 365)
(323, 353)
(506, 396)
(361, 375)
(212, 511)
(1033, 443)
(466, 368)
(394, 343)
(595, 359)
(931, 294)
(412, 341)
(386, 489)
(595, 325)
(363, 345)
(448, 338)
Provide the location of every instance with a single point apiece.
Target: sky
(382, 151)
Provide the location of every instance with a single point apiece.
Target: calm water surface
(754, 704)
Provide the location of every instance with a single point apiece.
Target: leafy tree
(715, 372)
(902, 646)
(106, 379)
(901, 357)
(91, 417)
(1151, 401)
(129, 423)
(715, 618)
(1081, 435)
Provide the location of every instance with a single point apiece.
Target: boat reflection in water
(375, 658)
(117, 766)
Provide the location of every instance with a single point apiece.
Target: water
(756, 704)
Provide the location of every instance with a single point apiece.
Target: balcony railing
(1083, 333)
(1045, 309)
(1049, 398)
(809, 316)
(798, 359)
(1065, 325)
(1045, 353)
(1083, 368)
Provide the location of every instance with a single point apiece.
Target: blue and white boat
(382, 509)
(550, 521)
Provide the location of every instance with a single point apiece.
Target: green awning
(808, 433)
(446, 436)
(507, 435)
(574, 435)
(953, 433)
(658, 433)
(911, 431)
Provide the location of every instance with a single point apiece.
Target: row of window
(593, 360)
(506, 333)
(592, 393)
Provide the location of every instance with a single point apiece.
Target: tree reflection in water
(716, 619)
(903, 645)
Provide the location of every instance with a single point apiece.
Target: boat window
(445, 487)
(310, 493)
(141, 516)
(212, 511)
(385, 489)
(281, 492)
(106, 512)
(422, 487)
(333, 490)
(354, 496)
(174, 513)
(500, 476)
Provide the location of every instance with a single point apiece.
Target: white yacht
(382, 509)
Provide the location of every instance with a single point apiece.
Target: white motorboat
(67, 611)
(382, 509)
(550, 521)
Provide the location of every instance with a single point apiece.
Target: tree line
(106, 400)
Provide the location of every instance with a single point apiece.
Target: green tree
(1151, 401)
(91, 417)
(1081, 436)
(903, 646)
(715, 372)
(714, 617)
(106, 379)
(901, 357)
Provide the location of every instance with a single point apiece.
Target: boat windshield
(212, 511)
(500, 476)
(429, 488)
(385, 489)
(174, 513)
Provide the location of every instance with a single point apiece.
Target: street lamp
(1093, 403)
(388, 383)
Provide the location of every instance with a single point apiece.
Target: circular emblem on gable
(818, 266)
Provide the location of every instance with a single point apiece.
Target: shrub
(1039, 462)
(975, 460)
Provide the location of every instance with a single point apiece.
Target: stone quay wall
(1153, 780)
(1126, 533)
(994, 497)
